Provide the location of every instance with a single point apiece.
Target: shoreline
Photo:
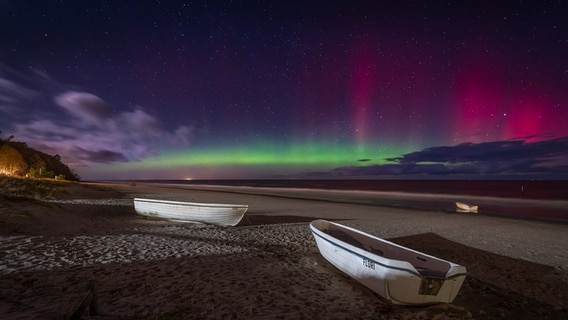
(268, 266)
(516, 189)
(547, 210)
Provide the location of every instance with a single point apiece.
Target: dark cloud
(499, 158)
(489, 152)
(100, 156)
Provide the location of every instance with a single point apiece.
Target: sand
(267, 267)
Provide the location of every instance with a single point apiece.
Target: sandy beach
(268, 266)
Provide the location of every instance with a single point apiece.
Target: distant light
(188, 178)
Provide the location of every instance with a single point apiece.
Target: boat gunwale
(343, 245)
(195, 204)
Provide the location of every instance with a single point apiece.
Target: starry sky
(289, 89)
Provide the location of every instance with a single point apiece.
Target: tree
(11, 161)
(39, 164)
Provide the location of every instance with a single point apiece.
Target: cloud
(80, 126)
(100, 156)
(512, 158)
(498, 151)
(12, 94)
(84, 106)
(89, 133)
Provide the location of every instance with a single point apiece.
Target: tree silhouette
(17, 158)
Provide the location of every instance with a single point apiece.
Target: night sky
(289, 89)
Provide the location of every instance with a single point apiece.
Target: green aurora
(263, 158)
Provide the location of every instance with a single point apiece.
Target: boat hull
(386, 267)
(191, 212)
(463, 207)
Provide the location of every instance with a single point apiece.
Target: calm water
(490, 188)
(545, 193)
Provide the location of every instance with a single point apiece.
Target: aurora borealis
(286, 89)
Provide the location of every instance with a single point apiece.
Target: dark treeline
(19, 160)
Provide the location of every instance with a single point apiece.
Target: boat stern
(424, 290)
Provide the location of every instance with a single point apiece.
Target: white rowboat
(209, 213)
(464, 207)
(399, 274)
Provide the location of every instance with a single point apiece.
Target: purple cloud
(88, 132)
(84, 106)
(80, 126)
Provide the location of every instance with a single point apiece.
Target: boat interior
(427, 266)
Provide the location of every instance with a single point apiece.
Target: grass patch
(13, 188)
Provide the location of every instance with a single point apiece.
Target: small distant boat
(399, 274)
(464, 207)
(192, 212)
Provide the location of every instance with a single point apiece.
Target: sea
(545, 200)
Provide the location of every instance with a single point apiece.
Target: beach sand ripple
(183, 271)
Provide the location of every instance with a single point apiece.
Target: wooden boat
(464, 207)
(399, 274)
(209, 213)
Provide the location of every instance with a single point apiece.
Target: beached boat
(209, 213)
(399, 274)
(464, 207)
